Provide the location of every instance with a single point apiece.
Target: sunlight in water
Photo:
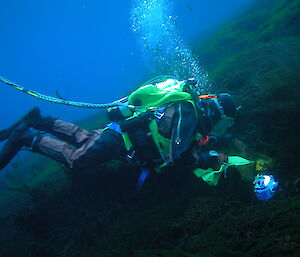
(154, 23)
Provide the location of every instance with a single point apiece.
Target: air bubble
(162, 45)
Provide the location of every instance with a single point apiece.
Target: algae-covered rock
(256, 57)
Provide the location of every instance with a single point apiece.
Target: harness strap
(164, 124)
(115, 127)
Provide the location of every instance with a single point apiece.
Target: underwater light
(264, 186)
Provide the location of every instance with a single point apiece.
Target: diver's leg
(20, 136)
(53, 148)
(99, 148)
(69, 132)
(107, 145)
(63, 130)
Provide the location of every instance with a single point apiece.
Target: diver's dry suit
(99, 146)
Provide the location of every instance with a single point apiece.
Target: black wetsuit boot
(5, 133)
(33, 119)
(21, 136)
(33, 114)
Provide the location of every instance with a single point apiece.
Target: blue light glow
(264, 186)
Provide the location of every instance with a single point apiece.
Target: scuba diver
(170, 124)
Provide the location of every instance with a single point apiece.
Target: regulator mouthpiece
(264, 186)
(193, 84)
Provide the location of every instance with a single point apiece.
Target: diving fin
(143, 176)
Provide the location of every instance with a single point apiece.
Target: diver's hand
(204, 160)
(223, 158)
(219, 161)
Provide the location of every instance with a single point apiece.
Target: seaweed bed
(97, 212)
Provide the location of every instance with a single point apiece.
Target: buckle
(130, 155)
(158, 115)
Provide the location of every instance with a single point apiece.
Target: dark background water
(84, 50)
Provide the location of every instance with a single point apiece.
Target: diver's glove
(211, 159)
(195, 158)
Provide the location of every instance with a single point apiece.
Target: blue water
(90, 50)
